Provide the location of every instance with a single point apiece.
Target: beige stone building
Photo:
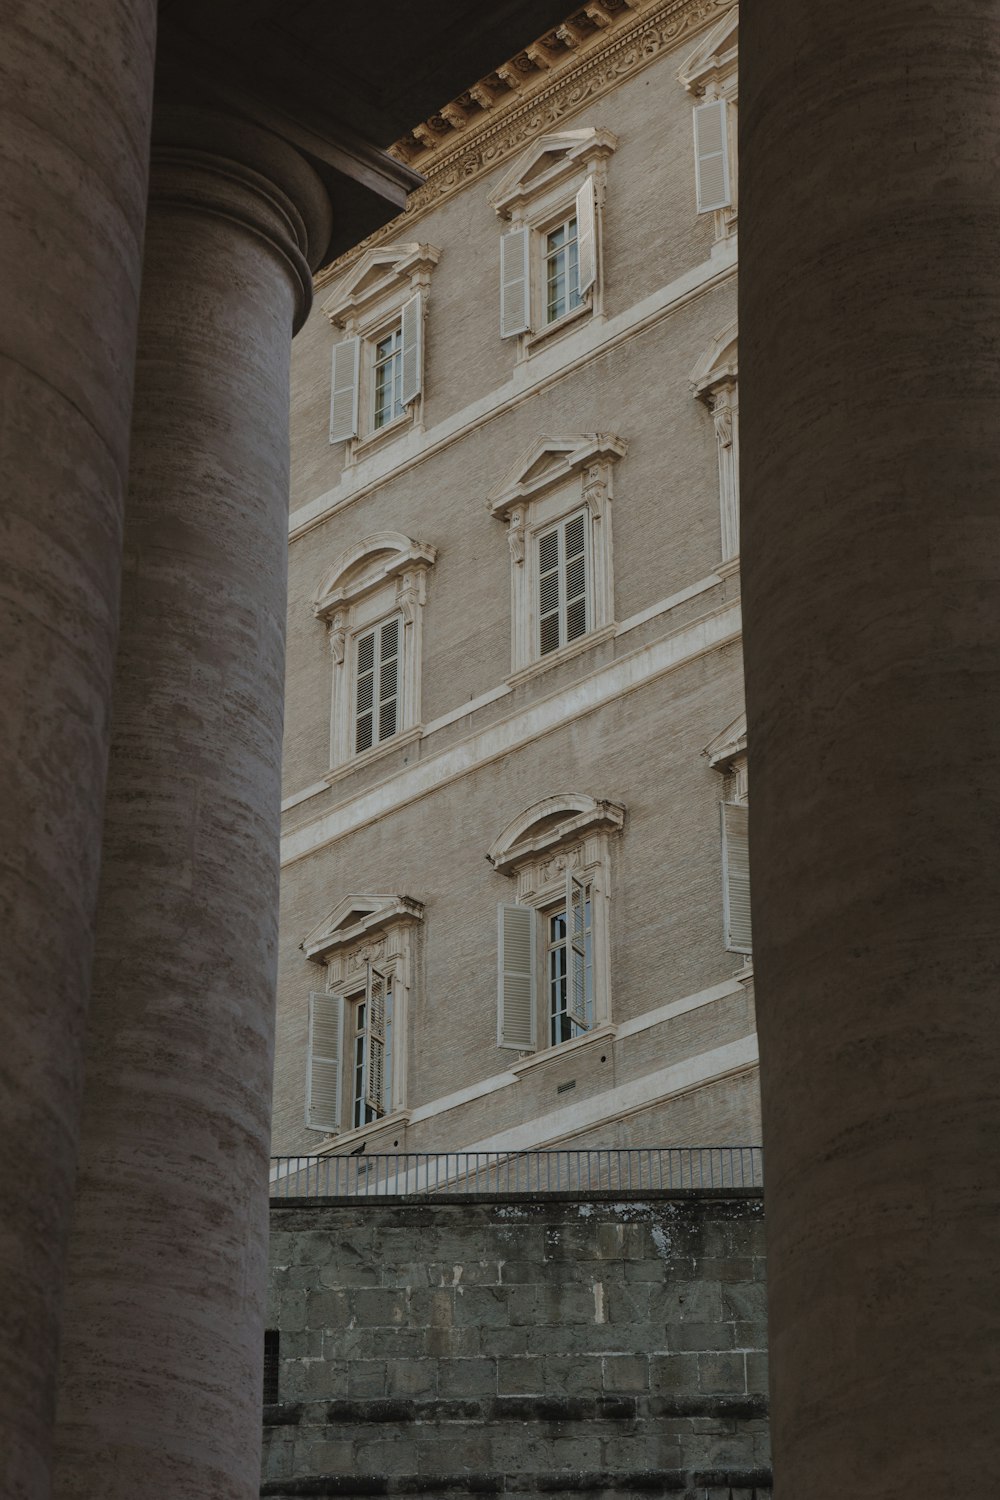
(515, 889)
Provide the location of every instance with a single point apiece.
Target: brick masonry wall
(538, 1346)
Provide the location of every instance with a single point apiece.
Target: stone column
(869, 291)
(161, 1384)
(75, 104)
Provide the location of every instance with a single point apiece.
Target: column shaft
(870, 375)
(161, 1383)
(75, 104)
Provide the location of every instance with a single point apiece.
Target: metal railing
(426, 1173)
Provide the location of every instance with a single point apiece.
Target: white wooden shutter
(514, 290)
(325, 1065)
(575, 562)
(549, 592)
(576, 949)
(344, 395)
(711, 155)
(364, 691)
(586, 232)
(388, 680)
(413, 349)
(376, 990)
(736, 877)
(516, 976)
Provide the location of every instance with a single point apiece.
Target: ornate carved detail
(595, 489)
(636, 41)
(369, 952)
(411, 593)
(338, 637)
(515, 536)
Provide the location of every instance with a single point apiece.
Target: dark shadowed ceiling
(343, 79)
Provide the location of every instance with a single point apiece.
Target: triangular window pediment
(356, 917)
(548, 162)
(550, 461)
(727, 745)
(386, 272)
(715, 57)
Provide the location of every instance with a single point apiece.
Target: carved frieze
(538, 101)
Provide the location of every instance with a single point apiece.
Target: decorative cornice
(615, 54)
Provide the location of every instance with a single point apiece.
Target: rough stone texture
(527, 1346)
(166, 1269)
(871, 458)
(75, 101)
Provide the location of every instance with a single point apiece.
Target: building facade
(515, 906)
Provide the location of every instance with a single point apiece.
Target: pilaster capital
(206, 161)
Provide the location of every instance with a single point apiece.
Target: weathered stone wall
(532, 1346)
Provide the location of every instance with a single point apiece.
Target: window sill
(356, 762)
(342, 1143)
(373, 441)
(606, 1031)
(533, 340)
(565, 653)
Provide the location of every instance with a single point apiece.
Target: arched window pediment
(367, 566)
(547, 824)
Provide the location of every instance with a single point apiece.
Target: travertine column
(75, 103)
(160, 1392)
(870, 306)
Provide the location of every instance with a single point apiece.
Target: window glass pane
(387, 384)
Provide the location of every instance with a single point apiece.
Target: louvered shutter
(711, 154)
(516, 975)
(376, 990)
(586, 231)
(413, 351)
(549, 570)
(364, 692)
(576, 935)
(388, 680)
(575, 552)
(736, 877)
(514, 290)
(326, 1045)
(344, 395)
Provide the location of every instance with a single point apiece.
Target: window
(372, 603)
(562, 583)
(556, 502)
(562, 270)
(387, 385)
(272, 1366)
(727, 754)
(714, 380)
(377, 379)
(550, 253)
(370, 1059)
(569, 963)
(710, 74)
(553, 958)
(356, 1060)
(376, 684)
